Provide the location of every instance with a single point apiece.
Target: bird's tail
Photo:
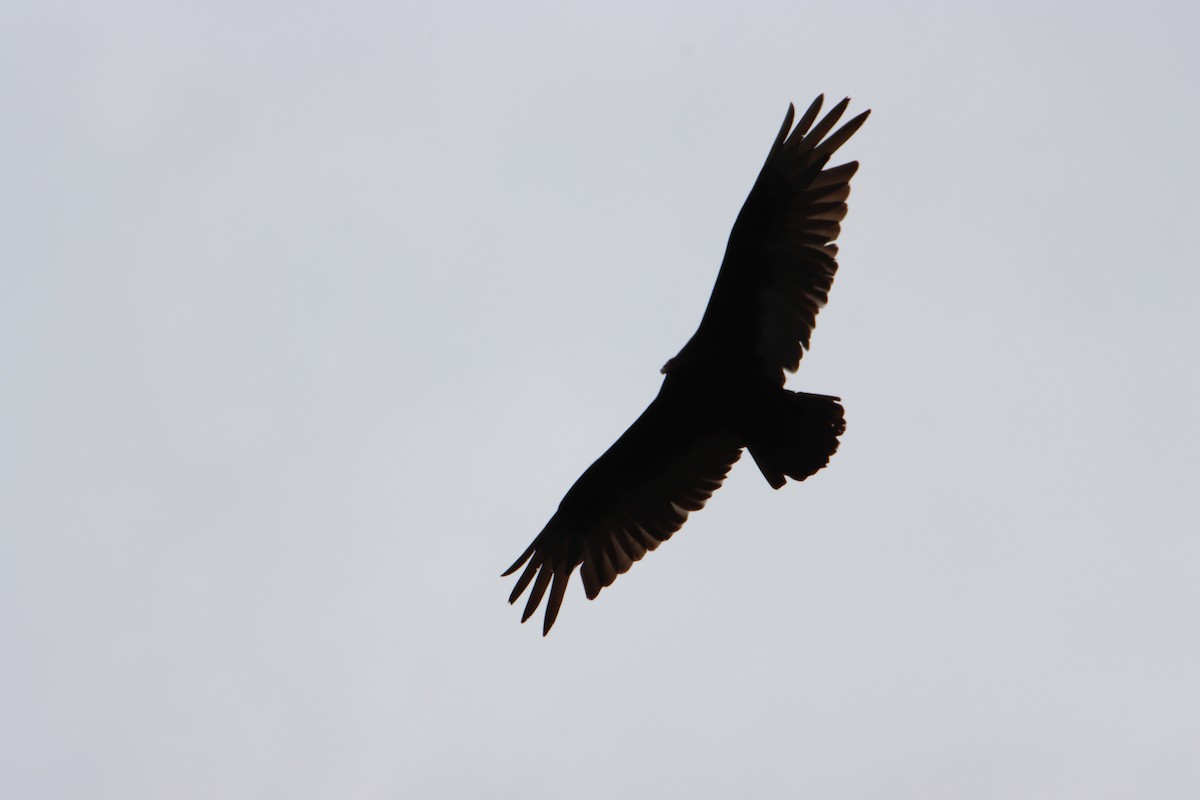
(799, 437)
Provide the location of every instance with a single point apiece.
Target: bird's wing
(781, 257)
(631, 500)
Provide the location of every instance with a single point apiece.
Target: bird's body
(724, 390)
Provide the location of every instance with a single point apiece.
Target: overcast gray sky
(311, 312)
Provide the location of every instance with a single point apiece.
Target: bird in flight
(724, 390)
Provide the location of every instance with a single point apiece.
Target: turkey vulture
(724, 390)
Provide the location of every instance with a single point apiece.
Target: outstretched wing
(631, 500)
(781, 257)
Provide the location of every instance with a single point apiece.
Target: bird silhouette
(724, 391)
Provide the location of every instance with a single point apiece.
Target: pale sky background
(310, 314)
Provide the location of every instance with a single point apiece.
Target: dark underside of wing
(632, 499)
(781, 258)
